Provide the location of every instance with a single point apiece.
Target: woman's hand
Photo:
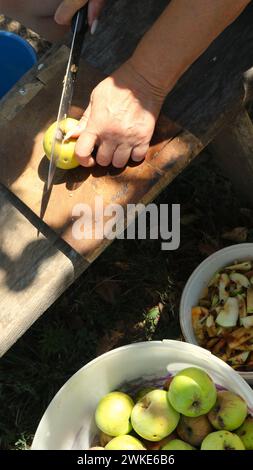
(119, 120)
(68, 8)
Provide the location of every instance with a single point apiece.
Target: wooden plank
(34, 269)
(24, 169)
(233, 151)
(32, 82)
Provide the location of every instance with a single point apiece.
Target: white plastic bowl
(68, 422)
(199, 280)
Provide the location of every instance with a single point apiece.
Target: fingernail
(94, 26)
(87, 162)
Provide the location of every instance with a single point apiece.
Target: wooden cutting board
(24, 167)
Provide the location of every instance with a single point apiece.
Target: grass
(131, 293)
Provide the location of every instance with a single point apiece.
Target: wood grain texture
(34, 268)
(24, 170)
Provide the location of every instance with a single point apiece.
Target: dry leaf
(238, 234)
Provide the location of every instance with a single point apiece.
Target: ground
(131, 293)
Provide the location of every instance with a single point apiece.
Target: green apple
(222, 440)
(65, 152)
(192, 392)
(153, 418)
(124, 443)
(229, 411)
(177, 444)
(113, 414)
(245, 432)
(194, 430)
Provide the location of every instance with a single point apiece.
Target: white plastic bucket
(68, 422)
(199, 280)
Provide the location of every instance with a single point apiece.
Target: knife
(79, 29)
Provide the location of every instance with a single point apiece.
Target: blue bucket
(16, 58)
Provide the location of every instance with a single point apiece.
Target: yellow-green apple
(65, 152)
(159, 444)
(177, 444)
(113, 414)
(245, 432)
(192, 392)
(229, 411)
(125, 443)
(153, 417)
(194, 430)
(222, 440)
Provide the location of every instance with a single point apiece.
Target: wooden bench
(39, 258)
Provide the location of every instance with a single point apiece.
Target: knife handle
(82, 20)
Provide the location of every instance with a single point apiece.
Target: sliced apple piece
(228, 316)
(238, 337)
(242, 307)
(215, 301)
(240, 280)
(221, 331)
(238, 333)
(223, 284)
(228, 351)
(248, 346)
(247, 322)
(211, 327)
(220, 347)
(245, 266)
(211, 342)
(238, 359)
(250, 300)
(199, 315)
(215, 280)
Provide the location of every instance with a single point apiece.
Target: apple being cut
(113, 414)
(125, 443)
(192, 392)
(194, 430)
(222, 440)
(153, 417)
(64, 152)
(245, 432)
(229, 411)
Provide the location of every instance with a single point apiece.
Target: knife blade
(79, 29)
